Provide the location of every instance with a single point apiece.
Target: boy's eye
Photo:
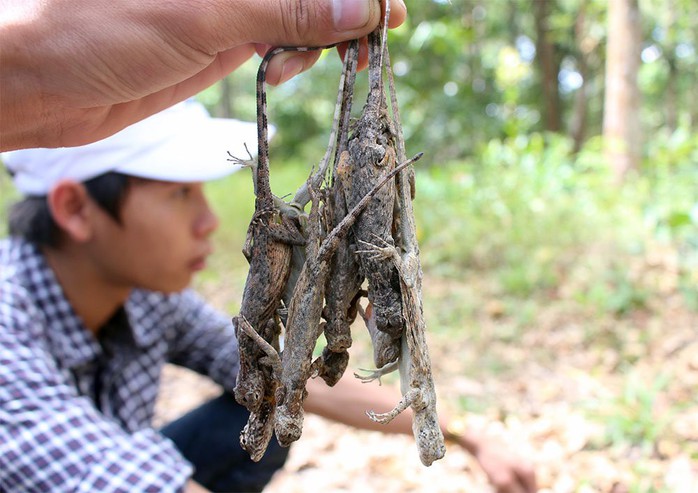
(183, 191)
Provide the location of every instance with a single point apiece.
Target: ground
(598, 405)
(335, 458)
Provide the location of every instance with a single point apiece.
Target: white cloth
(181, 144)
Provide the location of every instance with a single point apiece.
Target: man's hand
(76, 71)
(507, 472)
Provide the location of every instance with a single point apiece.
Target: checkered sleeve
(204, 340)
(52, 439)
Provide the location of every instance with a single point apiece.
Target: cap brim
(192, 147)
(198, 151)
(182, 143)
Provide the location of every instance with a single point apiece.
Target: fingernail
(291, 67)
(351, 14)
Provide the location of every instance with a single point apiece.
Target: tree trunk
(621, 122)
(692, 96)
(549, 67)
(226, 101)
(671, 98)
(578, 124)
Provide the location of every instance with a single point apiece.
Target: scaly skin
(305, 310)
(371, 153)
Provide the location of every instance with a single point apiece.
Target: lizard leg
(259, 429)
(377, 373)
(271, 357)
(247, 247)
(286, 231)
(246, 163)
(407, 400)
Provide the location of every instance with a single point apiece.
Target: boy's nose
(207, 222)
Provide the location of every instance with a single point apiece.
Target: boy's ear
(70, 206)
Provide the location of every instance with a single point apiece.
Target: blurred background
(557, 214)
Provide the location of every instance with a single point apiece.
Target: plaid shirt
(75, 411)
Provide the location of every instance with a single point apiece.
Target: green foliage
(540, 219)
(614, 291)
(632, 417)
(672, 165)
(521, 208)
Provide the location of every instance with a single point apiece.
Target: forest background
(557, 213)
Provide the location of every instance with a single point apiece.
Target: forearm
(348, 401)
(20, 97)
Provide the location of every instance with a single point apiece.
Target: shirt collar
(72, 344)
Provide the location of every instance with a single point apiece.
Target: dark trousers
(209, 437)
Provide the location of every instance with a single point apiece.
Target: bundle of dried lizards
(307, 269)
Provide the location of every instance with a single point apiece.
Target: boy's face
(163, 238)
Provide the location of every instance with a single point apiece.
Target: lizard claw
(382, 418)
(370, 377)
(375, 252)
(249, 163)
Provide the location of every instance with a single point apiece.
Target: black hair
(31, 218)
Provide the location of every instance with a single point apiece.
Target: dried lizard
(337, 141)
(270, 237)
(343, 289)
(414, 364)
(371, 151)
(272, 245)
(305, 310)
(345, 280)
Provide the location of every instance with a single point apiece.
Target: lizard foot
(377, 373)
(247, 163)
(405, 402)
(376, 252)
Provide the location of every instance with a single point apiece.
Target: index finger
(527, 476)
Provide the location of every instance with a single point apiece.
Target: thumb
(297, 22)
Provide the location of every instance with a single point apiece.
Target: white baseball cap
(181, 144)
